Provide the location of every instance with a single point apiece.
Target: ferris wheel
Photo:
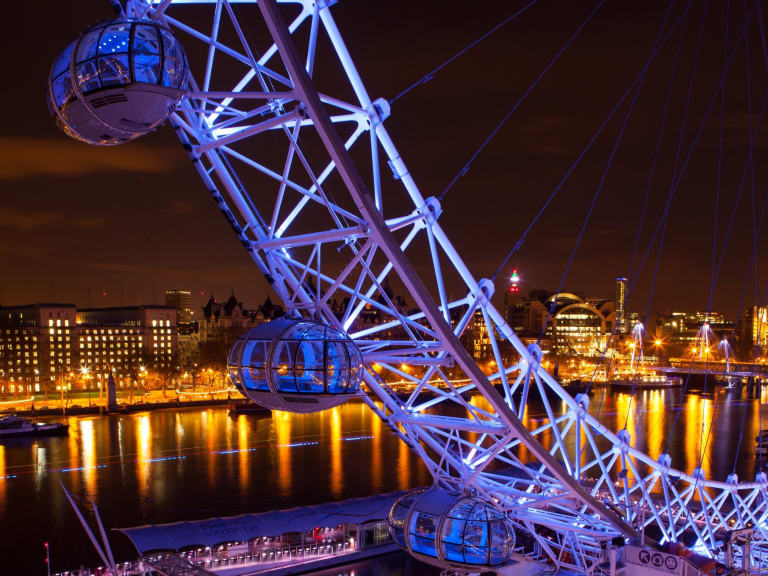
(304, 170)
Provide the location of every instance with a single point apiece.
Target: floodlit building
(47, 346)
(754, 329)
(577, 326)
(182, 301)
(126, 338)
(36, 346)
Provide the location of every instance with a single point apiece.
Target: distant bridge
(717, 368)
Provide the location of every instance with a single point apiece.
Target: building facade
(37, 346)
(44, 347)
(181, 300)
(126, 339)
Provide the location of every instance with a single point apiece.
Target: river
(188, 464)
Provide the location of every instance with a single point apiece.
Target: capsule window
(62, 62)
(86, 49)
(173, 73)
(114, 70)
(145, 40)
(62, 89)
(87, 75)
(114, 39)
(146, 68)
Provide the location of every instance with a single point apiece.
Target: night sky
(134, 220)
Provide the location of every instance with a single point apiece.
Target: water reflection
(282, 424)
(376, 457)
(336, 464)
(242, 445)
(144, 453)
(87, 441)
(3, 479)
(255, 463)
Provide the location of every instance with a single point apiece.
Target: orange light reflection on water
(3, 468)
(282, 424)
(337, 473)
(243, 454)
(144, 453)
(87, 441)
(377, 479)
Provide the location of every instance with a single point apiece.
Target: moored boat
(13, 426)
(646, 381)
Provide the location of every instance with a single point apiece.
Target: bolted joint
(535, 351)
(323, 4)
(733, 481)
(378, 111)
(761, 478)
(626, 438)
(486, 292)
(698, 473)
(430, 212)
(666, 462)
(582, 400)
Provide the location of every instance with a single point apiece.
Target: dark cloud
(24, 158)
(26, 220)
(88, 223)
(182, 207)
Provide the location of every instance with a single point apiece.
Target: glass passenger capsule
(451, 530)
(296, 365)
(119, 80)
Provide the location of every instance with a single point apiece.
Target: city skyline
(122, 220)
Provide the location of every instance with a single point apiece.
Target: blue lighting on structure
(166, 458)
(241, 450)
(352, 438)
(79, 468)
(8, 477)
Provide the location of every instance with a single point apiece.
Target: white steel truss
(318, 194)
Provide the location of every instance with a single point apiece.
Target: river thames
(187, 464)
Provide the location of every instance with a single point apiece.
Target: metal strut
(365, 204)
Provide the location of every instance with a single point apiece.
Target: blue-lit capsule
(119, 80)
(452, 530)
(296, 365)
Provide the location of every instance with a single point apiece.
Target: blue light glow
(79, 468)
(166, 458)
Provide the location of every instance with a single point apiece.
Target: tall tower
(182, 301)
(621, 305)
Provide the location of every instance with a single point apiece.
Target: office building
(36, 346)
(182, 301)
(46, 346)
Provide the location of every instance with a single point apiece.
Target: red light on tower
(514, 287)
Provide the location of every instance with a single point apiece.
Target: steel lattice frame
(312, 203)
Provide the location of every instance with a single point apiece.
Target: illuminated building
(476, 338)
(224, 322)
(754, 330)
(680, 330)
(36, 346)
(621, 305)
(125, 338)
(579, 326)
(182, 301)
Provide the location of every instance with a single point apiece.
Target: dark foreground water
(167, 465)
